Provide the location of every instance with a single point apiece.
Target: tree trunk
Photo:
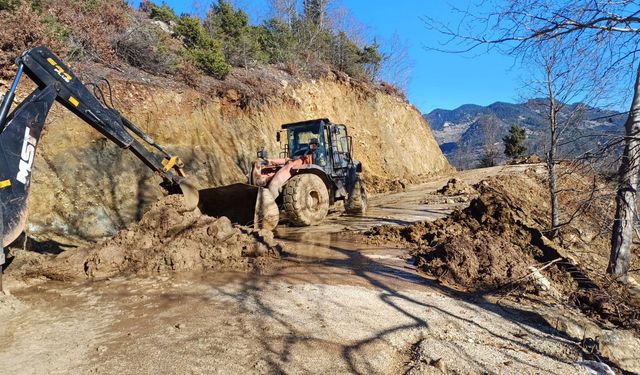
(551, 155)
(553, 178)
(553, 191)
(622, 234)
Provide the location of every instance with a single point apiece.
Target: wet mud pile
(455, 191)
(483, 246)
(500, 242)
(168, 238)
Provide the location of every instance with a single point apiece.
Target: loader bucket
(243, 204)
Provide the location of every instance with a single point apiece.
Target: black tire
(357, 201)
(306, 200)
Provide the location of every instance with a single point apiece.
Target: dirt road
(332, 304)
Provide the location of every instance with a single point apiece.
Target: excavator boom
(20, 132)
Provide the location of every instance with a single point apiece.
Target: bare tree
(285, 11)
(605, 31)
(562, 80)
(490, 127)
(340, 19)
(397, 67)
(622, 236)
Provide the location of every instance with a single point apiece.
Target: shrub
(55, 28)
(193, 33)
(88, 34)
(211, 62)
(224, 20)
(189, 73)
(9, 4)
(26, 31)
(145, 46)
(203, 50)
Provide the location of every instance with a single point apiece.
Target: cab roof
(308, 122)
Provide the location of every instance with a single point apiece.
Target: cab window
(300, 137)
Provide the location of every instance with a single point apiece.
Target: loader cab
(333, 153)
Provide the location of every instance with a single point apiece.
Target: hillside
(86, 188)
(464, 132)
(212, 89)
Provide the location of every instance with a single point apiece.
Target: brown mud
(168, 238)
(480, 247)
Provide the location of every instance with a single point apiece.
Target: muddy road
(331, 304)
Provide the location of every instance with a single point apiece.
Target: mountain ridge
(465, 133)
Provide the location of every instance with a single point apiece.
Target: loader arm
(20, 131)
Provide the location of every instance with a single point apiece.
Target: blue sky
(439, 80)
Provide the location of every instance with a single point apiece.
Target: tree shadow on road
(397, 289)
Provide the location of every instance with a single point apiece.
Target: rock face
(86, 188)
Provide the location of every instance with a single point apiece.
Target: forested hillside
(154, 38)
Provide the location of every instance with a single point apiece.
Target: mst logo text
(26, 156)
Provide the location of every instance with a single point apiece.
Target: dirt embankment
(85, 188)
(169, 238)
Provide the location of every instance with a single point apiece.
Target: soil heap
(483, 246)
(455, 186)
(169, 238)
(500, 240)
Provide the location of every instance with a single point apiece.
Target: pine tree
(240, 41)
(514, 142)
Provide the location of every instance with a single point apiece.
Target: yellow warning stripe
(169, 163)
(5, 184)
(74, 101)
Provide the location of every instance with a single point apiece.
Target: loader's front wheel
(306, 200)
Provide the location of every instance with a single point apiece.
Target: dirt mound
(168, 238)
(531, 159)
(377, 185)
(499, 240)
(456, 186)
(483, 246)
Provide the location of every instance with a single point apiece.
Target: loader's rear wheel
(306, 200)
(356, 204)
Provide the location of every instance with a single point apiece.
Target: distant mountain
(465, 133)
